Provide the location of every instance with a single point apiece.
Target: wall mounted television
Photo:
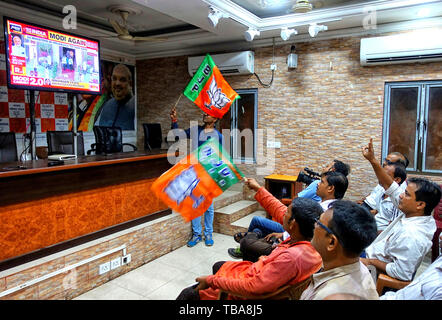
(45, 59)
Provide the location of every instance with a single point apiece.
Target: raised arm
(173, 118)
(384, 179)
(275, 208)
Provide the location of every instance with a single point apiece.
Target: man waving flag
(190, 186)
(209, 91)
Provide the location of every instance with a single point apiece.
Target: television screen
(39, 58)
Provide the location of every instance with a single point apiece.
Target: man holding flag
(205, 132)
(190, 186)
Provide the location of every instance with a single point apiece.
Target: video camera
(308, 176)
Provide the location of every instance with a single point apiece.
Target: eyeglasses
(388, 162)
(323, 226)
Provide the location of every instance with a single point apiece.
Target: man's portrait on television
(18, 48)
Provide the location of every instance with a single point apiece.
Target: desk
(42, 206)
(283, 186)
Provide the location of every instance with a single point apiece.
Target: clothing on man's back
(403, 245)
(428, 286)
(287, 264)
(351, 278)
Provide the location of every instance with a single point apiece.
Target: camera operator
(310, 190)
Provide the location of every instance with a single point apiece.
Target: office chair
(108, 140)
(384, 282)
(8, 147)
(60, 142)
(152, 136)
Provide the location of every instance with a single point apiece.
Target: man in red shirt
(291, 262)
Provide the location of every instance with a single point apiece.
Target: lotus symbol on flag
(183, 186)
(217, 98)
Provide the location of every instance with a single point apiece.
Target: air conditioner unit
(235, 63)
(401, 48)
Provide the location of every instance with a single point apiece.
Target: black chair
(108, 140)
(152, 136)
(62, 142)
(8, 147)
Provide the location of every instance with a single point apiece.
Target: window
(240, 125)
(412, 124)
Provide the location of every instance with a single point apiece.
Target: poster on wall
(51, 108)
(114, 107)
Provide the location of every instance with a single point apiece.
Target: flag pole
(178, 100)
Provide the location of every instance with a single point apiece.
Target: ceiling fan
(302, 6)
(122, 28)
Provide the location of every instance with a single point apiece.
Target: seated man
(371, 200)
(310, 190)
(333, 186)
(341, 234)
(385, 211)
(265, 227)
(291, 262)
(401, 247)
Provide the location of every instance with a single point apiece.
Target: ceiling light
(315, 28)
(215, 15)
(286, 33)
(251, 33)
(302, 6)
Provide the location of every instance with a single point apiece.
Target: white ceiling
(188, 32)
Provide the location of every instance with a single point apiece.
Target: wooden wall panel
(64, 205)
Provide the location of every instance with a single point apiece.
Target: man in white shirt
(400, 248)
(428, 286)
(392, 158)
(310, 191)
(331, 187)
(386, 211)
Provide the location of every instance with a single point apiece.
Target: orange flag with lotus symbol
(209, 90)
(190, 186)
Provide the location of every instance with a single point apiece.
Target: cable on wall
(272, 67)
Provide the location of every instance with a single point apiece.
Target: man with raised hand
(401, 247)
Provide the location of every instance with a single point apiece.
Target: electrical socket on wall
(115, 263)
(105, 267)
(273, 144)
(126, 259)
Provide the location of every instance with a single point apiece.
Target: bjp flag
(209, 91)
(190, 186)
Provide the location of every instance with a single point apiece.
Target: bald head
(121, 82)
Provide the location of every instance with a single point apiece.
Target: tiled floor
(165, 277)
